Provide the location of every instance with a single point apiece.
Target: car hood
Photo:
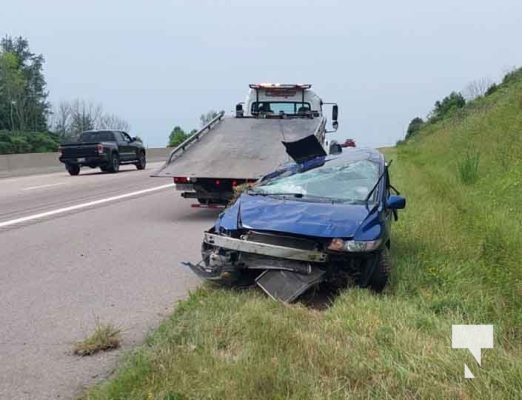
(295, 217)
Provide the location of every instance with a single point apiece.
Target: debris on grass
(105, 337)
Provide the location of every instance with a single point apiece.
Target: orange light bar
(301, 86)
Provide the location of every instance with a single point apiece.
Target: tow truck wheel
(73, 169)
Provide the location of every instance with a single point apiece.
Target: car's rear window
(104, 136)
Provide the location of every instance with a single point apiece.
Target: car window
(119, 136)
(101, 136)
(286, 107)
(346, 181)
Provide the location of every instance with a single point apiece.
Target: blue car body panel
(316, 219)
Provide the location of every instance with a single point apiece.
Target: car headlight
(354, 245)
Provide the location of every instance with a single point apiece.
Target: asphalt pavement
(75, 250)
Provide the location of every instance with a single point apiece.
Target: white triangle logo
(467, 372)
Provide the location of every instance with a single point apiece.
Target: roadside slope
(457, 257)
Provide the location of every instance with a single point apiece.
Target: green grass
(468, 167)
(457, 254)
(105, 337)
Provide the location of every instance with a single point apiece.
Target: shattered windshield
(339, 179)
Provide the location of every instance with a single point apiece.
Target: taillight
(99, 147)
(218, 182)
(181, 179)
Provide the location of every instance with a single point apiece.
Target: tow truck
(239, 149)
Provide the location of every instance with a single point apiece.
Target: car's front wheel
(382, 268)
(142, 162)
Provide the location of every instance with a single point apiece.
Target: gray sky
(163, 63)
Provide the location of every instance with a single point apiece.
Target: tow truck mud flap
(286, 286)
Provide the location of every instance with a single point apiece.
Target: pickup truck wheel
(73, 169)
(379, 277)
(142, 161)
(114, 165)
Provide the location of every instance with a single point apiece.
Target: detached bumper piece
(286, 286)
(202, 272)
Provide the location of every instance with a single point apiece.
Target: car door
(125, 146)
(134, 146)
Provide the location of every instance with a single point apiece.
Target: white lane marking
(80, 206)
(43, 186)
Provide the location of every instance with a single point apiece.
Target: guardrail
(43, 163)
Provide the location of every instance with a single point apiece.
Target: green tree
(447, 106)
(23, 99)
(28, 142)
(177, 136)
(414, 127)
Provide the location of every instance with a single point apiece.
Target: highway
(79, 249)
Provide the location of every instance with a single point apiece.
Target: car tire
(142, 161)
(379, 278)
(114, 165)
(73, 169)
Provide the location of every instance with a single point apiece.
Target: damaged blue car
(321, 219)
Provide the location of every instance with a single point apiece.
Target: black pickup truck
(104, 149)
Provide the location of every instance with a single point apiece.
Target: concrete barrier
(44, 163)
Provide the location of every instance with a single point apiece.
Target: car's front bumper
(264, 249)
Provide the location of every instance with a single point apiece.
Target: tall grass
(457, 253)
(468, 167)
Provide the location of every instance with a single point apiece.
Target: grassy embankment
(457, 252)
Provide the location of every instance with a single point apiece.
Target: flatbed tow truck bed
(237, 148)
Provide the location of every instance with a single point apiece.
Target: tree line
(28, 122)
(456, 102)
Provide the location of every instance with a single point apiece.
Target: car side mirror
(395, 202)
(335, 112)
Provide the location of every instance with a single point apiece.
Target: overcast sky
(162, 63)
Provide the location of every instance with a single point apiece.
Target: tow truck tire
(73, 169)
(114, 165)
(142, 161)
